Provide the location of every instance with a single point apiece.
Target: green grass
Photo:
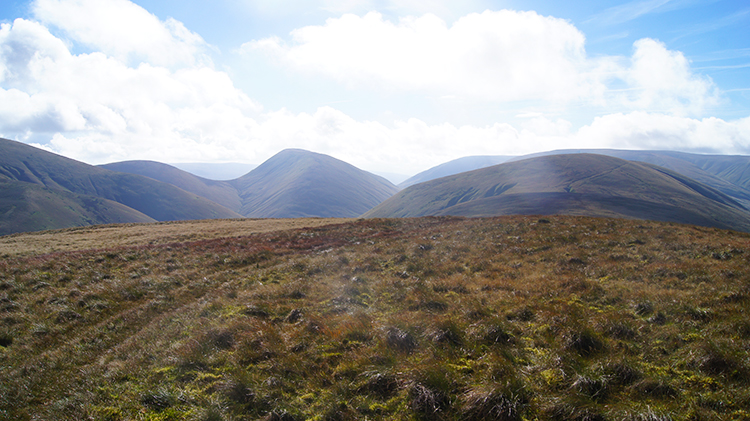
(513, 318)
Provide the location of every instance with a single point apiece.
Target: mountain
(467, 163)
(735, 169)
(573, 184)
(221, 192)
(294, 183)
(42, 190)
(222, 172)
(32, 207)
(297, 183)
(70, 185)
(728, 174)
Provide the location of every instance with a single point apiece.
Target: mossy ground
(512, 318)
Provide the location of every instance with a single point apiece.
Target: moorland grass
(511, 318)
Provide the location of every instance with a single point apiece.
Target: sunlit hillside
(570, 184)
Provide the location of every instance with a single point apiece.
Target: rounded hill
(572, 184)
(297, 183)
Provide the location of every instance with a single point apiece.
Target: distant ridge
(467, 163)
(54, 189)
(730, 174)
(297, 183)
(40, 190)
(573, 184)
(293, 183)
(221, 192)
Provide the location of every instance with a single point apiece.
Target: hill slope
(294, 183)
(297, 183)
(221, 192)
(159, 201)
(731, 169)
(468, 163)
(31, 207)
(575, 184)
(728, 174)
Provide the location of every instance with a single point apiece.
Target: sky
(388, 86)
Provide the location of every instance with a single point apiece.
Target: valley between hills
(42, 191)
(571, 285)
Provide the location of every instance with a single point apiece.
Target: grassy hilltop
(508, 318)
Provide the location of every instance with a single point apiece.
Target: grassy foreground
(511, 318)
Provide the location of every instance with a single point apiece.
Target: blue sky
(388, 86)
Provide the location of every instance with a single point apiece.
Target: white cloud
(497, 56)
(540, 125)
(504, 55)
(26, 50)
(127, 101)
(447, 9)
(98, 109)
(409, 146)
(122, 29)
(405, 147)
(46, 89)
(20, 43)
(662, 80)
(640, 130)
(413, 144)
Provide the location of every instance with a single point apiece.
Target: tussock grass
(513, 318)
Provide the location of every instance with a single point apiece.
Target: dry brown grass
(515, 318)
(124, 235)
